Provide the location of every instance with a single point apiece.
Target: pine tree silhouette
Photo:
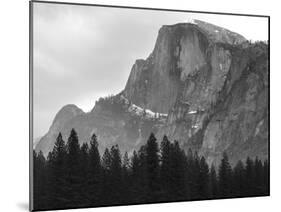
(203, 179)
(73, 167)
(225, 175)
(239, 179)
(94, 172)
(213, 189)
(74, 176)
(152, 167)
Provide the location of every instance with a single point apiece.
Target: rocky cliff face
(211, 83)
(238, 123)
(114, 120)
(181, 51)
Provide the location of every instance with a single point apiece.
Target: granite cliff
(202, 85)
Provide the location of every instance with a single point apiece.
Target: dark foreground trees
(78, 176)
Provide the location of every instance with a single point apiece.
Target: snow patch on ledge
(192, 112)
(195, 126)
(143, 112)
(136, 109)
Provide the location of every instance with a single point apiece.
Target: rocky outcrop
(180, 51)
(65, 115)
(211, 83)
(239, 123)
(113, 119)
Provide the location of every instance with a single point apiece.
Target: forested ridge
(78, 176)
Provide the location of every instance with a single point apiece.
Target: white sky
(82, 53)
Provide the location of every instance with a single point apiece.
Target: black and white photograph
(139, 105)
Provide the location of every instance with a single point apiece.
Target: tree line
(78, 176)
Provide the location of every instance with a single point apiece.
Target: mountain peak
(213, 32)
(65, 114)
(181, 51)
(68, 111)
(71, 107)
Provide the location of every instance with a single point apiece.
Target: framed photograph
(146, 105)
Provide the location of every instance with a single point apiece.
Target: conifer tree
(203, 179)
(250, 173)
(73, 170)
(106, 178)
(106, 160)
(73, 150)
(58, 169)
(143, 175)
(165, 170)
(239, 179)
(126, 161)
(94, 172)
(191, 175)
(195, 170)
(126, 180)
(213, 183)
(84, 165)
(137, 178)
(177, 172)
(225, 174)
(116, 173)
(258, 169)
(135, 164)
(152, 165)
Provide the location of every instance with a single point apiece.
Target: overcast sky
(82, 53)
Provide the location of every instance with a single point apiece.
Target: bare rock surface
(202, 85)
